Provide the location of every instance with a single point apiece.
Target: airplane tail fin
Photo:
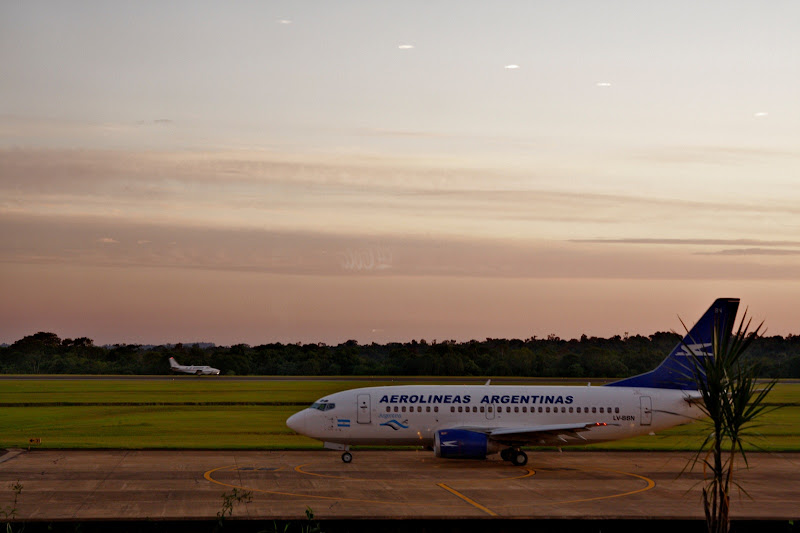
(173, 363)
(677, 370)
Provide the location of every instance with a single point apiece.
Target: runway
(189, 485)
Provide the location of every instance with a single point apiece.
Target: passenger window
(547, 409)
(508, 409)
(616, 409)
(388, 408)
(524, 409)
(601, 409)
(489, 408)
(594, 409)
(460, 409)
(540, 409)
(570, 409)
(435, 408)
(419, 409)
(452, 409)
(578, 409)
(395, 408)
(482, 408)
(403, 409)
(428, 409)
(609, 410)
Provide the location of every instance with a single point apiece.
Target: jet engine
(462, 444)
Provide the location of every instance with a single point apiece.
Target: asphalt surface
(189, 485)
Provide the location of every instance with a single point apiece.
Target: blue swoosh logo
(395, 425)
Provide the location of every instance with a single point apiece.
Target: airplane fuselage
(412, 414)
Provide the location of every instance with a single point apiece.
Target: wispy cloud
(690, 242)
(754, 251)
(72, 241)
(716, 155)
(366, 196)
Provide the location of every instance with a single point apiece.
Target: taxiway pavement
(174, 485)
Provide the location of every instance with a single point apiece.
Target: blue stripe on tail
(677, 370)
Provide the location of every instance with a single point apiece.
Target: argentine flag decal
(343, 422)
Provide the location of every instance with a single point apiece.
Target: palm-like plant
(732, 400)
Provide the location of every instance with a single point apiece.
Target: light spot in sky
(603, 84)
(108, 240)
(511, 67)
(284, 21)
(406, 46)
(761, 114)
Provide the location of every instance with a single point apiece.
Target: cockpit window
(323, 406)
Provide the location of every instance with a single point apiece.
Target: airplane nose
(297, 422)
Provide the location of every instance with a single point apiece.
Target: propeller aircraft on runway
(473, 421)
(198, 370)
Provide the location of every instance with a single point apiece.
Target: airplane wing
(545, 434)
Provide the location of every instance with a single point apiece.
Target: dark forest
(590, 357)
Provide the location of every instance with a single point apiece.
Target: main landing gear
(515, 456)
(347, 457)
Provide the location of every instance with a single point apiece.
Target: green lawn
(181, 389)
(248, 426)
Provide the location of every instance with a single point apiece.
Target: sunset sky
(297, 171)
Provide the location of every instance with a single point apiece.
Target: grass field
(208, 413)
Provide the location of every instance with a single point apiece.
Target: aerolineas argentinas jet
(472, 421)
(175, 367)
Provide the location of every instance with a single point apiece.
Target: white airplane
(175, 367)
(472, 421)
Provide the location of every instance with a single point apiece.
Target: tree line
(615, 357)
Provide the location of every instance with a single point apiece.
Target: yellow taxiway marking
(299, 470)
(468, 500)
(650, 485)
(208, 477)
(529, 472)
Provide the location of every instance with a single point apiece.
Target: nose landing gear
(347, 457)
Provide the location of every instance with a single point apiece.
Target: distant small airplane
(192, 369)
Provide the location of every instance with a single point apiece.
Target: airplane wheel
(505, 455)
(520, 458)
(199, 372)
(347, 457)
